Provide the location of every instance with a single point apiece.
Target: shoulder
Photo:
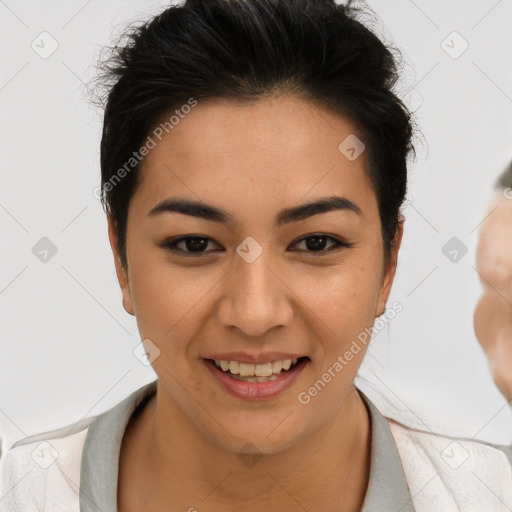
(42, 471)
(442, 470)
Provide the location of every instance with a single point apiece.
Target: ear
(389, 272)
(122, 273)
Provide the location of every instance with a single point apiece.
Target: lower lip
(256, 390)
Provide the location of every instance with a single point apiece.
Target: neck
(184, 467)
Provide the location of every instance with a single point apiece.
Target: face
(493, 313)
(259, 285)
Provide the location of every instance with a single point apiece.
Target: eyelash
(171, 245)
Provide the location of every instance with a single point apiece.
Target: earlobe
(121, 271)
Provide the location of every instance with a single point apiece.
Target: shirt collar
(387, 486)
(100, 456)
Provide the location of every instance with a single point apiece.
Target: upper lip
(245, 357)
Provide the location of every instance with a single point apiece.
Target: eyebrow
(288, 215)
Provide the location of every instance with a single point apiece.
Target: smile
(256, 381)
(255, 372)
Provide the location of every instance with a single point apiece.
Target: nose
(256, 297)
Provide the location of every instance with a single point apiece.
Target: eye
(318, 241)
(194, 245)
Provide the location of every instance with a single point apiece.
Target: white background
(66, 341)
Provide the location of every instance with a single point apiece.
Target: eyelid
(339, 243)
(171, 244)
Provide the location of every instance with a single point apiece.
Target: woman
(253, 168)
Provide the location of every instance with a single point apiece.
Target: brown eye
(317, 243)
(196, 245)
(191, 245)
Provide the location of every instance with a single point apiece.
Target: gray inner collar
(387, 487)
(100, 457)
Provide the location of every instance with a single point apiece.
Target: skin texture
(252, 160)
(493, 313)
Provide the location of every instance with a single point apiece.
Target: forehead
(287, 125)
(276, 149)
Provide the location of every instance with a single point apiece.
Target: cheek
(167, 298)
(340, 295)
(336, 300)
(343, 297)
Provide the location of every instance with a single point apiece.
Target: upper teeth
(258, 370)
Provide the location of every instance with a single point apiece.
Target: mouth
(263, 372)
(256, 381)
